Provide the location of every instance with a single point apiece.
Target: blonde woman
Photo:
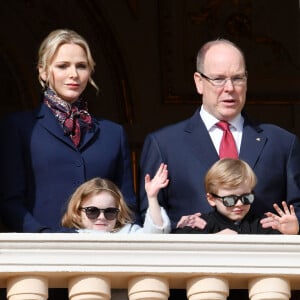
(48, 152)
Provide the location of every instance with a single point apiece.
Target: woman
(48, 152)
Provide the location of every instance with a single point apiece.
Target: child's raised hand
(160, 180)
(286, 221)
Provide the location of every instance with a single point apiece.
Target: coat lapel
(253, 142)
(199, 139)
(90, 134)
(197, 136)
(48, 121)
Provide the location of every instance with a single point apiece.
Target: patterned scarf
(74, 117)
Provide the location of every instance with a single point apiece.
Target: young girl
(99, 206)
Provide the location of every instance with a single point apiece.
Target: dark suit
(187, 149)
(41, 167)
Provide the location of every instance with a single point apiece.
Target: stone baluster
(27, 288)
(208, 288)
(89, 287)
(269, 288)
(148, 287)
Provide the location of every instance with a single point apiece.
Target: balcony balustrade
(148, 266)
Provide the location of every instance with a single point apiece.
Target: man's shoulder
(178, 126)
(171, 127)
(268, 129)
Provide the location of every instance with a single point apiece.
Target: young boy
(229, 184)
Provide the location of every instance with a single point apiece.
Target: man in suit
(190, 147)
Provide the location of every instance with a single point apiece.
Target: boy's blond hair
(229, 173)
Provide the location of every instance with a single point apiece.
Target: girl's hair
(229, 173)
(203, 50)
(50, 46)
(95, 186)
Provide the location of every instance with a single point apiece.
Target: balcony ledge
(61, 256)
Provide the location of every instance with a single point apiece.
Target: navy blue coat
(41, 167)
(187, 149)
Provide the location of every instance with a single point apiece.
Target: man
(190, 147)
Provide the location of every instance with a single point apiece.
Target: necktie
(227, 147)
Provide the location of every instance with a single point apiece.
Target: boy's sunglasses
(231, 200)
(92, 212)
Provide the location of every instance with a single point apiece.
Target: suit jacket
(187, 149)
(41, 167)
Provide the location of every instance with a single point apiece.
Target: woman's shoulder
(19, 119)
(26, 114)
(109, 127)
(107, 123)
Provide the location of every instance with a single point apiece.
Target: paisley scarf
(74, 118)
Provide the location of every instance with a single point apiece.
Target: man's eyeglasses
(231, 200)
(221, 81)
(93, 212)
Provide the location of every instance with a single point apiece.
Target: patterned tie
(227, 147)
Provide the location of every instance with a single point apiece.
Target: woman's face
(69, 72)
(101, 201)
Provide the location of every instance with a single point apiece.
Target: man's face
(225, 102)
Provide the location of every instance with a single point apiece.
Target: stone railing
(91, 265)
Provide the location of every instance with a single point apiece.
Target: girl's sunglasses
(93, 212)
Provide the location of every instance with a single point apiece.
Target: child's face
(236, 212)
(101, 201)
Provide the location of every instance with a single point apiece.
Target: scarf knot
(74, 118)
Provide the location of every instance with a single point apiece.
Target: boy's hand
(286, 221)
(191, 221)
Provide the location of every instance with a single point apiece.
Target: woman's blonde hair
(92, 187)
(229, 173)
(50, 46)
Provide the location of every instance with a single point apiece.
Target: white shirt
(216, 133)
